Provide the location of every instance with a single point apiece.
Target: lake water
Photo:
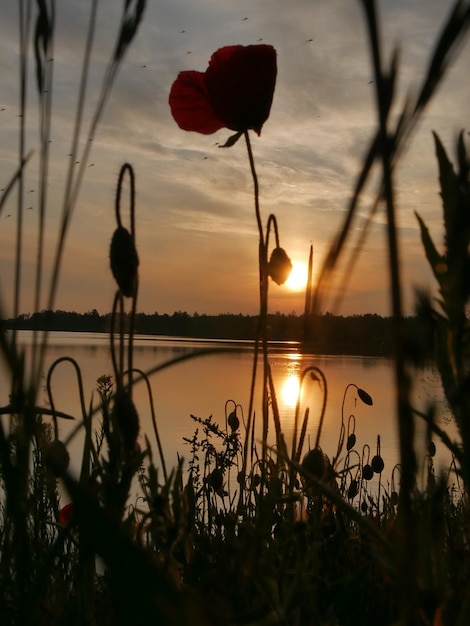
(202, 385)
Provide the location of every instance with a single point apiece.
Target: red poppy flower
(65, 513)
(236, 91)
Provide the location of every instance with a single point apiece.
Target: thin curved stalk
(81, 393)
(153, 370)
(144, 377)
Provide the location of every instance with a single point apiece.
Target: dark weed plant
(244, 531)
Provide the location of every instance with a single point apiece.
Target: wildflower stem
(261, 334)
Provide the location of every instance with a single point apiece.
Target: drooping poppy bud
(351, 442)
(353, 489)
(279, 266)
(126, 419)
(57, 457)
(233, 421)
(365, 397)
(377, 464)
(216, 479)
(367, 472)
(124, 261)
(314, 462)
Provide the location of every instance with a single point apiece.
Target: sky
(196, 230)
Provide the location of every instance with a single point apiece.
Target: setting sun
(298, 276)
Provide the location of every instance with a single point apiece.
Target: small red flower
(235, 92)
(65, 513)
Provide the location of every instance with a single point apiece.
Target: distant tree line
(326, 334)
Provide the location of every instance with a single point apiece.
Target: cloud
(194, 201)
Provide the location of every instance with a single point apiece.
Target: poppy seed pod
(279, 266)
(124, 261)
(126, 419)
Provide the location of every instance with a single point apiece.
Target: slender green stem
(255, 188)
(261, 334)
(263, 274)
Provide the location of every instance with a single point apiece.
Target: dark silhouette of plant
(448, 325)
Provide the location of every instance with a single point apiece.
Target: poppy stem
(263, 316)
(256, 187)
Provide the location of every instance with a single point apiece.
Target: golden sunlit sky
(196, 229)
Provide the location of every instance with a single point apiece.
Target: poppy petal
(65, 513)
(190, 104)
(240, 82)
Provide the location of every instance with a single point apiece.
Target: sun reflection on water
(290, 390)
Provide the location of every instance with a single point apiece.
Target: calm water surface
(202, 385)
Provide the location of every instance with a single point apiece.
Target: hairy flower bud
(57, 457)
(126, 419)
(216, 479)
(353, 489)
(377, 464)
(124, 261)
(279, 266)
(367, 472)
(233, 421)
(314, 462)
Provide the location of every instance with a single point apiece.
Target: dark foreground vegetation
(327, 334)
(243, 533)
